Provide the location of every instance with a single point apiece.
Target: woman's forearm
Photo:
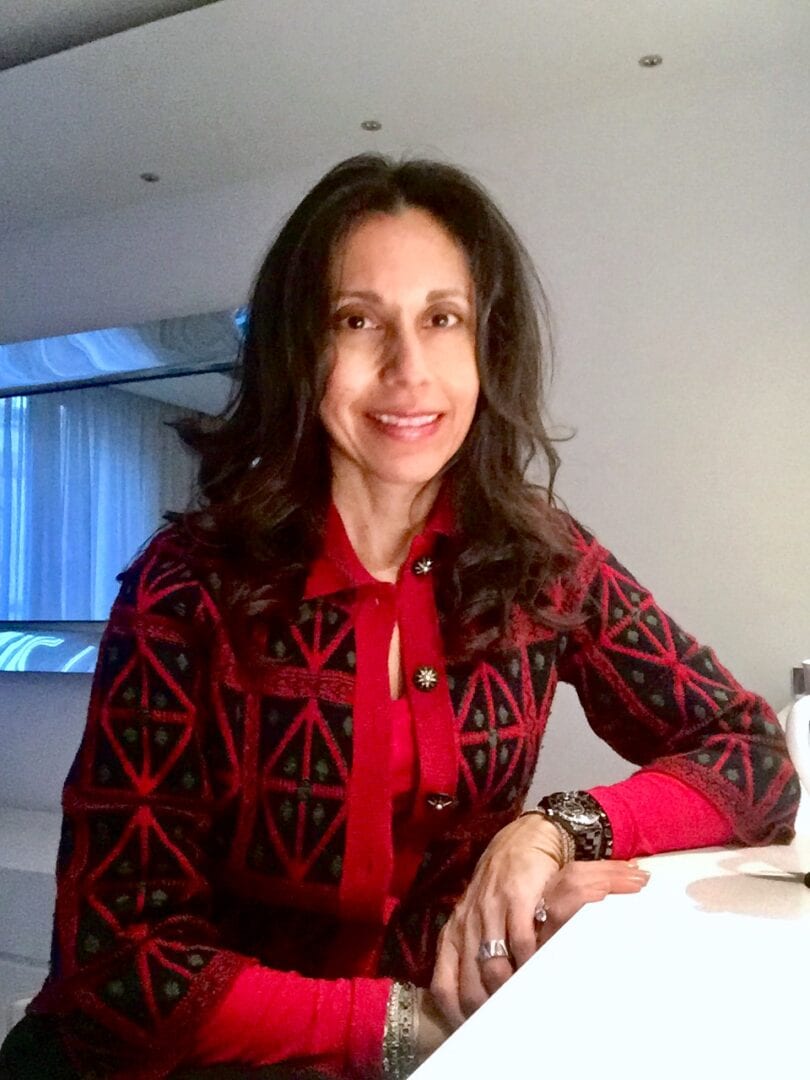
(271, 1016)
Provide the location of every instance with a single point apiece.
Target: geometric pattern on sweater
(305, 746)
(131, 928)
(501, 707)
(409, 947)
(658, 698)
(197, 774)
(130, 931)
(653, 693)
(304, 759)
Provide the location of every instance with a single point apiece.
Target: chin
(410, 476)
(408, 479)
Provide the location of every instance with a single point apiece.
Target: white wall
(42, 721)
(672, 230)
(42, 718)
(677, 245)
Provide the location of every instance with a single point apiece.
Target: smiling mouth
(416, 421)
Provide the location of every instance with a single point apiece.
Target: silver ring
(541, 912)
(489, 950)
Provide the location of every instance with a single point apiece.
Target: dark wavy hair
(265, 474)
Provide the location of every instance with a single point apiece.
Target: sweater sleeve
(651, 812)
(273, 1016)
(140, 981)
(665, 702)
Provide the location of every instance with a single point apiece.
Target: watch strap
(591, 841)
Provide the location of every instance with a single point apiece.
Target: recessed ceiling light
(371, 125)
(651, 60)
(150, 177)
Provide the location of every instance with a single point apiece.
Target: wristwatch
(583, 819)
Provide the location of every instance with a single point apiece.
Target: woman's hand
(432, 1026)
(512, 876)
(581, 883)
(500, 902)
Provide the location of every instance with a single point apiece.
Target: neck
(381, 519)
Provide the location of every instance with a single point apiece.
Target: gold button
(426, 678)
(422, 566)
(439, 800)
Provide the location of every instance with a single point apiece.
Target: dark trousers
(32, 1051)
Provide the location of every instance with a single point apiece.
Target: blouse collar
(337, 566)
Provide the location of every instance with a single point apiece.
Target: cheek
(331, 408)
(470, 413)
(466, 386)
(344, 390)
(471, 394)
(330, 402)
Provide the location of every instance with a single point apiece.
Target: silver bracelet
(401, 1028)
(569, 848)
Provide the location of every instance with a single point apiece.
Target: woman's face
(403, 382)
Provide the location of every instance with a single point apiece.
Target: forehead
(410, 244)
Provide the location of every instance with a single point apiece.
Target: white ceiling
(242, 89)
(36, 28)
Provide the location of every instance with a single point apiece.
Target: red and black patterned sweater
(228, 817)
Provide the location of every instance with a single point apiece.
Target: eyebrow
(374, 297)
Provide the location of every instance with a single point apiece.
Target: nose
(405, 360)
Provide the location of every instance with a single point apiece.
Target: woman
(293, 831)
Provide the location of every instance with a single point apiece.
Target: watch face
(584, 818)
(576, 812)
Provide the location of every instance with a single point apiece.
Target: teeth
(406, 421)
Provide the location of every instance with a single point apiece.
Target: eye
(443, 320)
(354, 320)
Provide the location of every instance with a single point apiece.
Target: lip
(406, 425)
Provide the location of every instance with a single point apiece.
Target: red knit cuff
(366, 1026)
(273, 1016)
(652, 812)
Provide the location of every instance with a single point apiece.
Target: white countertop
(704, 974)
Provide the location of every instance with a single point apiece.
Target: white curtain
(85, 478)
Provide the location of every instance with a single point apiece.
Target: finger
(627, 884)
(555, 918)
(586, 883)
(546, 930)
(621, 877)
(494, 972)
(521, 932)
(562, 911)
(472, 992)
(616, 875)
(568, 895)
(444, 985)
